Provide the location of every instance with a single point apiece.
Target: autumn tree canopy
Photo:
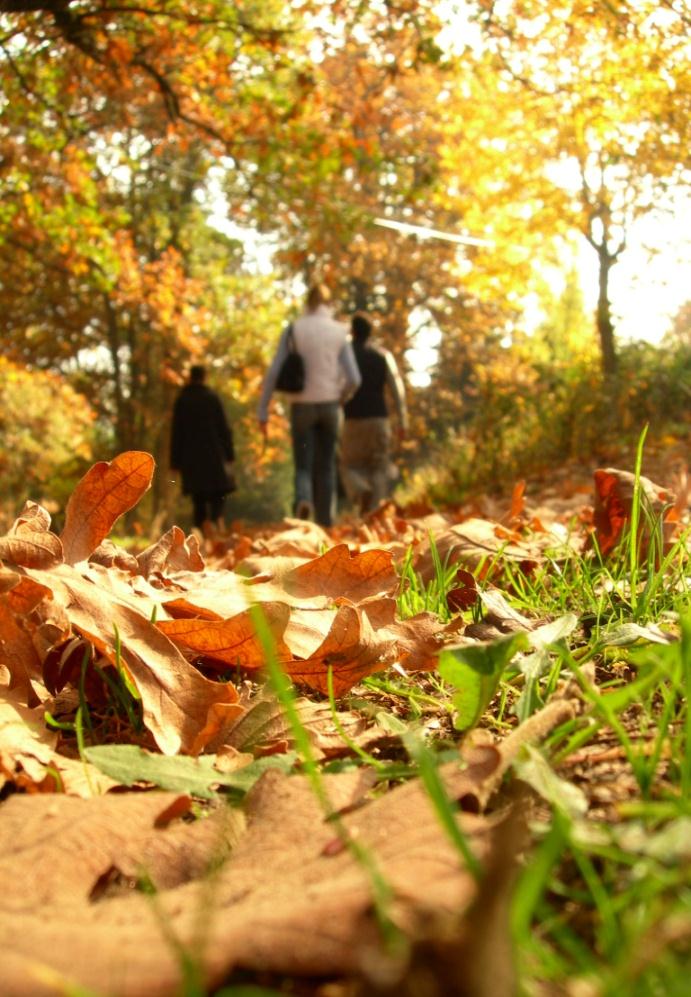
(540, 123)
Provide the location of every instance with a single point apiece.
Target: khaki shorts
(365, 458)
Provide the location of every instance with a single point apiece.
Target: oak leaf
(614, 497)
(477, 540)
(109, 555)
(230, 643)
(340, 572)
(172, 552)
(289, 898)
(265, 729)
(30, 542)
(18, 654)
(285, 899)
(26, 747)
(177, 700)
(105, 493)
(350, 651)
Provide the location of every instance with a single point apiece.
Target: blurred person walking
(202, 450)
(331, 377)
(365, 460)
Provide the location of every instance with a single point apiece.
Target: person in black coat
(201, 448)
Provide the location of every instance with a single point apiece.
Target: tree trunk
(605, 326)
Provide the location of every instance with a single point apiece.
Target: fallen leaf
(8, 579)
(264, 728)
(342, 573)
(109, 555)
(30, 542)
(475, 542)
(614, 496)
(231, 643)
(176, 698)
(283, 901)
(351, 650)
(26, 746)
(18, 654)
(129, 764)
(173, 552)
(105, 493)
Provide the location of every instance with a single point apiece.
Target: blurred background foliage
(173, 177)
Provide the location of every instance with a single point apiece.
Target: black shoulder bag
(291, 376)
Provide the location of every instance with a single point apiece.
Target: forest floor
(432, 752)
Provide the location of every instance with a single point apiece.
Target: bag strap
(291, 339)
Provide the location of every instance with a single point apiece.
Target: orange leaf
(232, 642)
(517, 501)
(351, 650)
(339, 572)
(106, 491)
(173, 552)
(176, 698)
(18, 654)
(614, 492)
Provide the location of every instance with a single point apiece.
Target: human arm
(269, 383)
(350, 371)
(397, 388)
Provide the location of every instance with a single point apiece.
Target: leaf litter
(163, 807)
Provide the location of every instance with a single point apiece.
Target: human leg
(365, 460)
(326, 432)
(302, 419)
(353, 469)
(198, 509)
(216, 503)
(379, 465)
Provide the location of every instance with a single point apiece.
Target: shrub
(46, 430)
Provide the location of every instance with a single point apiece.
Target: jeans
(314, 428)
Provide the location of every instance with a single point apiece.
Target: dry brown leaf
(231, 643)
(29, 756)
(351, 650)
(289, 899)
(265, 728)
(300, 539)
(474, 541)
(26, 747)
(213, 595)
(18, 654)
(173, 552)
(109, 555)
(285, 900)
(26, 595)
(418, 639)
(177, 700)
(30, 542)
(105, 493)
(66, 845)
(341, 573)
(8, 579)
(614, 493)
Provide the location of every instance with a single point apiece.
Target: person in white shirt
(331, 378)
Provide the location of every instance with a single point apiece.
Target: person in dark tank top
(366, 441)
